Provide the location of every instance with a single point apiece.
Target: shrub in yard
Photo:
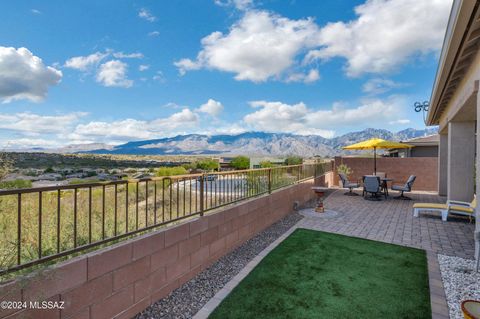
(240, 162)
(293, 160)
(344, 169)
(266, 164)
(207, 165)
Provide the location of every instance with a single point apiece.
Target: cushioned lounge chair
(451, 207)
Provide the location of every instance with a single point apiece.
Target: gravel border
(187, 300)
(460, 282)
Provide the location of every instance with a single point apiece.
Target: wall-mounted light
(422, 106)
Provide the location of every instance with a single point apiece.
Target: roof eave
(456, 28)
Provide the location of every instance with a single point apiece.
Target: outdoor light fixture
(419, 107)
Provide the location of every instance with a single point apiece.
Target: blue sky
(115, 71)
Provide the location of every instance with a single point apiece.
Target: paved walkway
(388, 221)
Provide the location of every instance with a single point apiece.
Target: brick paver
(392, 221)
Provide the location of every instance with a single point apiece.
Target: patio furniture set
(377, 185)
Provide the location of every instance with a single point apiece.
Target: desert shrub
(171, 171)
(6, 165)
(83, 181)
(18, 183)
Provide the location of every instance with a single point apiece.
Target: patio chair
(407, 187)
(382, 175)
(451, 207)
(347, 184)
(373, 186)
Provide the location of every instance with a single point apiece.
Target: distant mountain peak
(255, 143)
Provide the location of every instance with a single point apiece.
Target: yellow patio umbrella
(374, 144)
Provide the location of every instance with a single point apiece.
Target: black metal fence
(40, 224)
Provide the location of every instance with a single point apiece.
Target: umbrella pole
(374, 161)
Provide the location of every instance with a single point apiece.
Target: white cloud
(310, 77)
(154, 34)
(260, 46)
(185, 65)
(121, 55)
(386, 34)
(159, 77)
(143, 67)
(82, 63)
(212, 107)
(300, 119)
(35, 11)
(35, 124)
(400, 122)
(378, 86)
(239, 4)
(137, 129)
(24, 76)
(277, 116)
(114, 74)
(147, 15)
(20, 143)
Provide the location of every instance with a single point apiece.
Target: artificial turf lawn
(314, 274)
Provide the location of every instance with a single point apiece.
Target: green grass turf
(314, 274)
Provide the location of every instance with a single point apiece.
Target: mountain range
(249, 143)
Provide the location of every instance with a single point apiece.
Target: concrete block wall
(425, 168)
(121, 280)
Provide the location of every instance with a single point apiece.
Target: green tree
(207, 165)
(240, 162)
(189, 166)
(266, 164)
(49, 170)
(293, 160)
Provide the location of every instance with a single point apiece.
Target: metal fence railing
(40, 224)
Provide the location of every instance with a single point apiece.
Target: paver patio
(392, 221)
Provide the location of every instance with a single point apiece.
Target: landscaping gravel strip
(187, 300)
(460, 281)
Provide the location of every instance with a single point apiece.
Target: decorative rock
(187, 300)
(460, 282)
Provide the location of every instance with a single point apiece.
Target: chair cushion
(430, 205)
(400, 188)
(351, 185)
(462, 209)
